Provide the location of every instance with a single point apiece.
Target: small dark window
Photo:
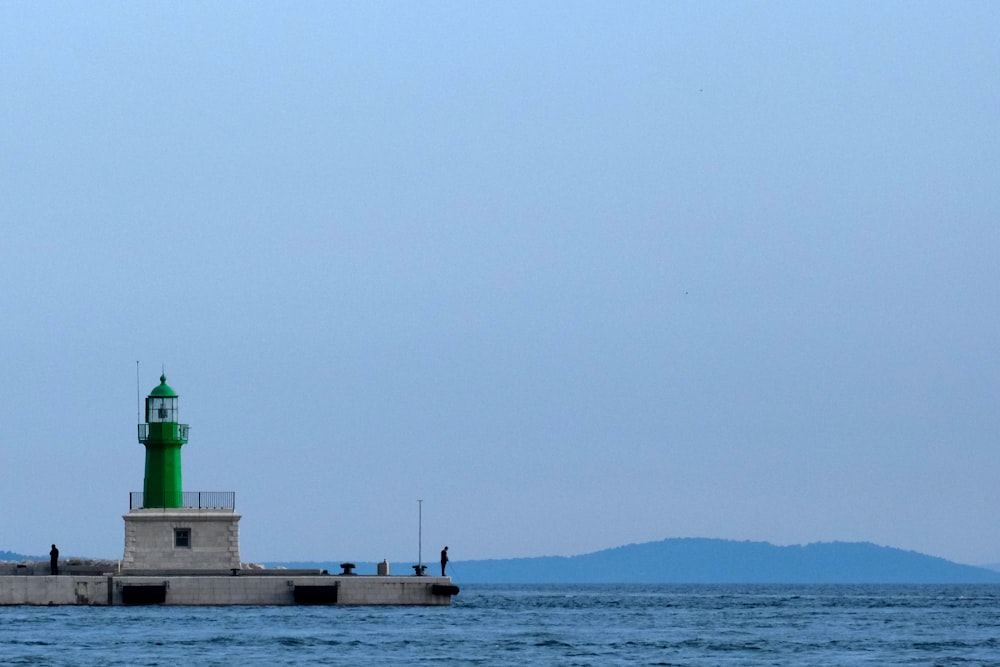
(182, 538)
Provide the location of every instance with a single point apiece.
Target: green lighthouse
(163, 437)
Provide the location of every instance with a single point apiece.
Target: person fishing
(444, 559)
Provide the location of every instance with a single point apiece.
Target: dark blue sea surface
(538, 625)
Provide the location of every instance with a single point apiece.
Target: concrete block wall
(210, 590)
(54, 590)
(391, 591)
(279, 590)
(149, 540)
(272, 589)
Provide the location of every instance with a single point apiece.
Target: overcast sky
(574, 274)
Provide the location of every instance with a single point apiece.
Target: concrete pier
(269, 587)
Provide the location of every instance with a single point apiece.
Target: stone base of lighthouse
(181, 539)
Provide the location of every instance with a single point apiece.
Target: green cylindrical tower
(163, 437)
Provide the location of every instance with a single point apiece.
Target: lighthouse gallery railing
(201, 500)
(181, 432)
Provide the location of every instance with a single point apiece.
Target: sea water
(538, 625)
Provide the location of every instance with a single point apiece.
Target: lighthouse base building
(181, 539)
(183, 548)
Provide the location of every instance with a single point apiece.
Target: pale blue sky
(575, 274)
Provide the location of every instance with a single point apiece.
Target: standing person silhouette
(54, 560)
(444, 559)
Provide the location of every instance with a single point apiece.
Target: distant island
(695, 561)
(711, 561)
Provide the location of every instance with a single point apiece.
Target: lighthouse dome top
(163, 389)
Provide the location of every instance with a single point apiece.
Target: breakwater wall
(242, 588)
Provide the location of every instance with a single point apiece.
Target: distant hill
(695, 560)
(701, 560)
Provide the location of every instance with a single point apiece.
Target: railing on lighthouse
(198, 500)
(180, 432)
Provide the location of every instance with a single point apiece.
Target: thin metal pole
(138, 398)
(420, 532)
